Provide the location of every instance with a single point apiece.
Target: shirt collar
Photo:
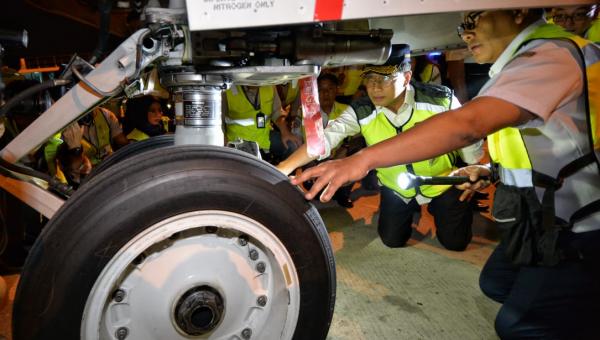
(509, 51)
(409, 99)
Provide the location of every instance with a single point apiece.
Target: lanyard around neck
(255, 103)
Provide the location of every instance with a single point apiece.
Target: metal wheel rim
(156, 267)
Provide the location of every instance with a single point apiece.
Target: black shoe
(343, 200)
(346, 203)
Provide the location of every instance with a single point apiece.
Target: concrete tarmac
(421, 291)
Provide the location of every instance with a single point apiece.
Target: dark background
(57, 29)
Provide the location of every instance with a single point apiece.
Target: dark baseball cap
(399, 61)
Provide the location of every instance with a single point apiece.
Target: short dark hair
(328, 76)
(136, 111)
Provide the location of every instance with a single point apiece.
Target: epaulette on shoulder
(362, 107)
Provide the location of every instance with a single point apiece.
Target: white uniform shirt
(347, 125)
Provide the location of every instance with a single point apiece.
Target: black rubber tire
(124, 200)
(132, 149)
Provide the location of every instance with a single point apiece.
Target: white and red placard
(221, 14)
(311, 116)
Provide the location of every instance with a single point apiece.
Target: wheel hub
(199, 310)
(202, 274)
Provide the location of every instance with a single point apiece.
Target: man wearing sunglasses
(578, 20)
(394, 106)
(534, 110)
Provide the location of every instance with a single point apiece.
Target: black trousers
(559, 302)
(452, 219)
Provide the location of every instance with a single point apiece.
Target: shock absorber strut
(197, 99)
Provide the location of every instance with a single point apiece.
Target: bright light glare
(404, 180)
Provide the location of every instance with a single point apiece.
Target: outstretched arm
(296, 160)
(438, 135)
(343, 126)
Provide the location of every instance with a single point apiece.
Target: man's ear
(407, 77)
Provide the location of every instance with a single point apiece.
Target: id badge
(261, 120)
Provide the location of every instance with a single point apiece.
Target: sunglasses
(469, 23)
(372, 80)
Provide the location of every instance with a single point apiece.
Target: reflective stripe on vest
(242, 122)
(376, 128)
(434, 108)
(507, 146)
(241, 118)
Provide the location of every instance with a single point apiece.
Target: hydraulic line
(53, 183)
(31, 91)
